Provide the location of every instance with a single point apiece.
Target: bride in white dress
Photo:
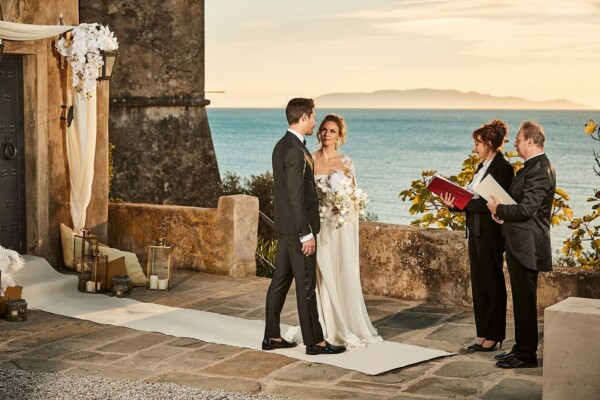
(342, 309)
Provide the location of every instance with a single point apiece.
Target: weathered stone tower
(163, 152)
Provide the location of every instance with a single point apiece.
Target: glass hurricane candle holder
(83, 245)
(94, 273)
(158, 268)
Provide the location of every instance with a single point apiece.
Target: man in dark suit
(526, 230)
(297, 223)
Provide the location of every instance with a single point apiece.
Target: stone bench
(572, 349)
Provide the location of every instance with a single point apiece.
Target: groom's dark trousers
(291, 264)
(296, 216)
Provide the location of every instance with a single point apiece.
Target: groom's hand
(308, 247)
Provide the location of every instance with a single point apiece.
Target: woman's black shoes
(479, 347)
(474, 347)
(491, 348)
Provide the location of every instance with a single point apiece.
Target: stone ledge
(432, 265)
(218, 240)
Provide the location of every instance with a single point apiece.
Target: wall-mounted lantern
(109, 59)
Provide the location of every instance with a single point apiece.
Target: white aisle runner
(48, 290)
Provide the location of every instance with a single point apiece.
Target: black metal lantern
(109, 60)
(16, 310)
(120, 285)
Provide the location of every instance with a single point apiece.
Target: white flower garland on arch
(83, 53)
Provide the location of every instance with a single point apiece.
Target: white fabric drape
(21, 32)
(81, 135)
(81, 150)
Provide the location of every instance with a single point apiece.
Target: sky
(261, 53)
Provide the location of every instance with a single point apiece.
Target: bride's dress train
(341, 304)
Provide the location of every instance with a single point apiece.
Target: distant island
(446, 99)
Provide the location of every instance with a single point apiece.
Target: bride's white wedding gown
(342, 311)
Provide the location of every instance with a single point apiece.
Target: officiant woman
(484, 239)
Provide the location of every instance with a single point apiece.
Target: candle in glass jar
(153, 281)
(98, 286)
(89, 286)
(163, 284)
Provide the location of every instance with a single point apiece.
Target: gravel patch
(29, 385)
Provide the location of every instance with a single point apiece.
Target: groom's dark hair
(297, 107)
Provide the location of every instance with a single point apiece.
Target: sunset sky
(263, 52)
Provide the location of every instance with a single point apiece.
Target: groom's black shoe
(270, 344)
(329, 348)
(514, 362)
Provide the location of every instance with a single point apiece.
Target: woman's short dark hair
(492, 133)
(297, 107)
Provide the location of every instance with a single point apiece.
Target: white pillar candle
(14, 313)
(98, 286)
(163, 284)
(153, 281)
(89, 286)
(119, 292)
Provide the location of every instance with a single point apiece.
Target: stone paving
(53, 343)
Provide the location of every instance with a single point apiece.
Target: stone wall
(163, 147)
(432, 265)
(218, 240)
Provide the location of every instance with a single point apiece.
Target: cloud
(493, 28)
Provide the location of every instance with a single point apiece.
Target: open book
(489, 186)
(439, 186)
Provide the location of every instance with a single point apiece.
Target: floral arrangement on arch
(83, 53)
(338, 197)
(10, 263)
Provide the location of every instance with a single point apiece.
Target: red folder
(439, 186)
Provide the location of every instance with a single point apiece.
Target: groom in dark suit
(297, 223)
(526, 230)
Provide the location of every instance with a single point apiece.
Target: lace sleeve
(350, 171)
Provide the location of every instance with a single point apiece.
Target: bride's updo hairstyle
(492, 133)
(339, 121)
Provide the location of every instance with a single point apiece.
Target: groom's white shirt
(301, 138)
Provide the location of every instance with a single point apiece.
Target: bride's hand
(448, 199)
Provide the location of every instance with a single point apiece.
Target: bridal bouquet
(339, 194)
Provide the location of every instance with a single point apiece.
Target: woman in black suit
(485, 241)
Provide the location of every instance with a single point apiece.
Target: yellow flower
(590, 127)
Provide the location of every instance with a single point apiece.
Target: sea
(390, 148)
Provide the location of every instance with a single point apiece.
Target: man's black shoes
(270, 344)
(315, 349)
(514, 362)
(504, 356)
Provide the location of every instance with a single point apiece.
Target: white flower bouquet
(338, 197)
(83, 53)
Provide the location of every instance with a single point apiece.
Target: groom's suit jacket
(296, 203)
(526, 227)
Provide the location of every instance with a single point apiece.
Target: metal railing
(269, 222)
